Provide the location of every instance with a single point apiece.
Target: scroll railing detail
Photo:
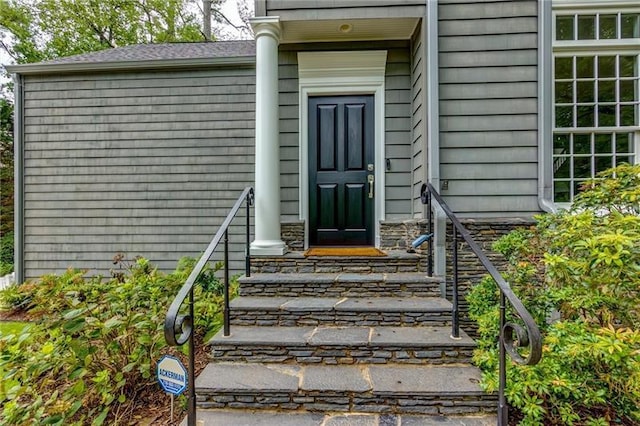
(512, 335)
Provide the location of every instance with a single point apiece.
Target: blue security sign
(172, 375)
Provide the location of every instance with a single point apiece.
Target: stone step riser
(301, 264)
(338, 318)
(332, 355)
(366, 289)
(365, 402)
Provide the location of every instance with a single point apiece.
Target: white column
(267, 161)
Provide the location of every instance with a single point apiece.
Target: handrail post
(178, 328)
(455, 320)
(247, 260)
(191, 411)
(528, 335)
(503, 409)
(430, 242)
(227, 326)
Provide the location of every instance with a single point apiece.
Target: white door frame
(335, 74)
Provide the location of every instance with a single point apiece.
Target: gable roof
(148, 56)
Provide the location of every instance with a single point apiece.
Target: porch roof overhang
(336, 30)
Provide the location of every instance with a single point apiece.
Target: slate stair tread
(275, 418)
(351, 304)
(379, 336)
(459, 380)
(340, 277)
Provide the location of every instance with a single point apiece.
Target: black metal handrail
(528, 336)
(178, 328)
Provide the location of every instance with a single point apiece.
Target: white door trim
(342, 73)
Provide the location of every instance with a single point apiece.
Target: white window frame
(608, 47)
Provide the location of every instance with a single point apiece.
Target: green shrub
(6, 254)
(94, 344)
(583, 266)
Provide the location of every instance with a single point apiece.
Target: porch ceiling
(348, 30)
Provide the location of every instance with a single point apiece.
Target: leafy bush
(6, 254)
(578, 272)
(94, 344)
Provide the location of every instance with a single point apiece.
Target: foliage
(94, 344)
(583, 267)
(6, 167)
(6, 254)
(45, 29)
(6, 187)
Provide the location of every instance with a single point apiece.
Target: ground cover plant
(93, 342)
(578, 272)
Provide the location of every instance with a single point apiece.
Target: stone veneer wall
(470, 270)
(398, 234)
(394, 234)
(292, 234)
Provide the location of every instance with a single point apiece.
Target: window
(596, 92)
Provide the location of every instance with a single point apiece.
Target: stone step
(362, 311)
(367, 388)
(296, 262)
(343, 345)
(337, 284)
(278, 418)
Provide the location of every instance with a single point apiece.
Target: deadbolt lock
(369, 167)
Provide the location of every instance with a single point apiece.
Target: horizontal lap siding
(289, 10)
(398, 133)
(418, 117)
(289, 135)
(141, 163)
(488, 106)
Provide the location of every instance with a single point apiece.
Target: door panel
(341, 147)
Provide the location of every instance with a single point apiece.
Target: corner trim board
(18, 149)
(545, 140)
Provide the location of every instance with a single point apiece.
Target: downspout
(18, 167)
(545, 139)
(433, 137)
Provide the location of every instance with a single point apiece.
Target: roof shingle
(168, 51)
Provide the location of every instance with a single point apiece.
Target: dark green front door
(341, 161)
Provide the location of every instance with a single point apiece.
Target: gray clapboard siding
(489, 26)
(485, 9)
(469, 91)
(289, 10)
(144, 101)
(418, 116)
(488, 106)
(289, 134)
(490, 187)
(146, 163)
(473, 205)
(149, 117)
(497, 58)
(487, 155)
(127, 110)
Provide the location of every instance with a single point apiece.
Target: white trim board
(342, 73)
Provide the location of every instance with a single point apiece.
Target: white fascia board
(589, 5)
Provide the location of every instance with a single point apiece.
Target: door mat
(345, 251)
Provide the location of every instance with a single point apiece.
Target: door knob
(370, 179)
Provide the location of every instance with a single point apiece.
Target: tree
(37, 30)
(6, 186)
